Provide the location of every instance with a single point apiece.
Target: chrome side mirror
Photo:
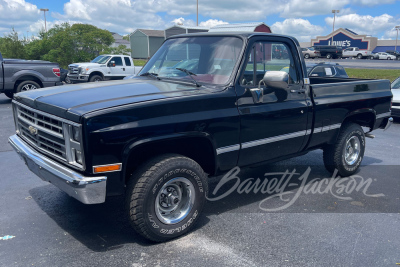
(276, 79)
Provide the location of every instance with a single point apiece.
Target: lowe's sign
(344, 40)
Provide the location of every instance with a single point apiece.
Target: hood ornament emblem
(33, 130)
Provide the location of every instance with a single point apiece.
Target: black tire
(27, 86)
(388, 58)
(334, 155)
(372, 58)
(359, 56)
(96, 78)
(67, 80)
(9, 94)
(329, 56)
(144, 193)
(306, 56)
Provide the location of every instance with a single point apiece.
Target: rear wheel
(306, 56)
(359, 56)
(348, 151)
(165, 197)
(9, 94)
(388, 58)
(329, 56)
(27, 86)
(371, 57)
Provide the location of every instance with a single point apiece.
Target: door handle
(123, 69)
(299, 91)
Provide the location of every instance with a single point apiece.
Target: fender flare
(23, 73)
(127, 151)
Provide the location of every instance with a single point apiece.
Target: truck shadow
(104, 227)
(5, 101)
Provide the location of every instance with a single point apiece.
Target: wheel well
(197, 148)
(27, 78)
(96, 73)
(366, 119)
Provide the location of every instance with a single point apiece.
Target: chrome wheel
(175, 200)
(28, 87)
(352, 150)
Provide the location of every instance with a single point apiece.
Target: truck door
(276, 125)
(129, 68)
(118, 71)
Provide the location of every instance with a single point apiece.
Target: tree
(120, 50)
(11, 46)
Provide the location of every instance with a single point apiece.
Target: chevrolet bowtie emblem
(33, 130)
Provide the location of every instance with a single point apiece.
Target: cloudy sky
(303, 19)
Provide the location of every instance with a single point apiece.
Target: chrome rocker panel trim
(88, 190)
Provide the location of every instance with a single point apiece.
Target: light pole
(197, 13)
(397, 28)
(334, 11)
(44, 13)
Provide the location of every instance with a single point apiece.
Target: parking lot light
(334, 11)
(397, 28)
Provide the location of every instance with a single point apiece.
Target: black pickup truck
(18, 75)
(158, 137)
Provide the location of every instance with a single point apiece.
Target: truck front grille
(41, 131)
(73, 70)
(49, 134)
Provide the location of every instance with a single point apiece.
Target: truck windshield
(100, 59)
(211, 58)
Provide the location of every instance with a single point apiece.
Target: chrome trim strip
(327, 128)
(273, 139)
(120, 167)
(88, 190)
(383, 115)
(226, 149)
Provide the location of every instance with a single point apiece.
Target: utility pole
(44, 13)
(334, 11)
(397, 28)
(197, 13)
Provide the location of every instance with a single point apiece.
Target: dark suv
(329, 51)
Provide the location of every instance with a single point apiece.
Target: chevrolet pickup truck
(158, 137)
(18, 75)
(103, 67)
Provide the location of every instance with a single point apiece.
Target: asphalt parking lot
(340, 227)
(361, 63)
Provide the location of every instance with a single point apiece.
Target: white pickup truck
(356, 52)
(103, 67)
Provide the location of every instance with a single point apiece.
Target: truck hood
(73, 101)
(396, 95)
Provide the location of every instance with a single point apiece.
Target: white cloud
(373, 2)
(302, 29)
(17, 14)
(211, 23)
(364, 24)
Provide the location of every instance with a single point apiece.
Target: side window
(268, 56)
(127, 61)
(117, 60)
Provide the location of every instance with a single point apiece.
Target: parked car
(394, 53)
(329, 51)
(356, 52)
(103, 67)
(310, 52)
(326, 69)
(18, 75)
(396, 98)
(383, 55)
(157, 138)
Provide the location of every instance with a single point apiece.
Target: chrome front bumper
(88, 190)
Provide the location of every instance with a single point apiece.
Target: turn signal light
(107, 168)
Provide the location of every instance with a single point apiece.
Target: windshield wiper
(191, 74)
(151, 74)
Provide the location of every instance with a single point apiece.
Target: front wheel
(306, 56)
(166, 196)
(388, 58)
(328, 56)
(359, 56)
(96, 78)
(371, 57)
(348, 151)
